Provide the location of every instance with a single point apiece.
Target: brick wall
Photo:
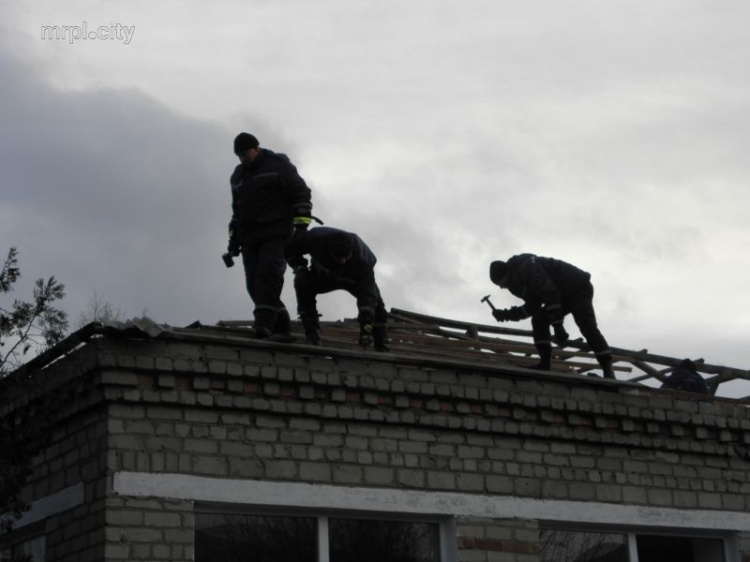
(151, 529)
(63, 405)
(252, 413)
(242, 411)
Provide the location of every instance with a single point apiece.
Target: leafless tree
(99, 310)
(28, 326)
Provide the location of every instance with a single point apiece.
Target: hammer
(489, 302)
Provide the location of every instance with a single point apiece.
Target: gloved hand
(365, 336)
(234, 247)
(297, 263)
(501, 314)
(301, 223)
(513, 314)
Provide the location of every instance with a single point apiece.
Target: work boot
(312, 337)
(545, 357)
(282, 324)
(380, 338)
(605, 361)
(312, 327)
(281, 337)
(265, 320)
(282, 328)
(261, 333)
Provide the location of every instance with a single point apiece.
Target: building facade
(192, 445)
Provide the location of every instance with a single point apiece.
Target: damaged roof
(413, 333)
(418, 335)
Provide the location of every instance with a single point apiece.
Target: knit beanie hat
(498, 270)
(243, 142)
(340, 244)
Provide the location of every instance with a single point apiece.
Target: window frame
(730, 540)
(448, 549)
(14, 539)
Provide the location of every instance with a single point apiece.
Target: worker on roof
(686, 377)
(551, 289)
(269, 201)
(339, 260)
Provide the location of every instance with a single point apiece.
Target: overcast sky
(611, 134)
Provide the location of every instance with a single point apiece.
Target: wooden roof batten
(414, 337)
(414, 333)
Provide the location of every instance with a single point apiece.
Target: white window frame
(448, 550)
(418, 504)
(730, 541)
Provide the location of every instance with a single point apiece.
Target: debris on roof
(419, 335)
(413, 333)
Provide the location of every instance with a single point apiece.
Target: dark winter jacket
(267, 194)
(687, 379)
(544, 282)
(356, 275)
(358, 270)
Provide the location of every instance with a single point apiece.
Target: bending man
(551, 289)
(339, 261)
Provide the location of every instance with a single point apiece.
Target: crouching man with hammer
(550, 289)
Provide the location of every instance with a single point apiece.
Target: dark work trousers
(308, 285)
(580, 305)
(264, 277)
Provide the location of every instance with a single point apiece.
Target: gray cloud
(109, 190)
(446, 136)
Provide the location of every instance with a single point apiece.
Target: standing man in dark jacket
(551, 289)
(339, 261)
(269, 201)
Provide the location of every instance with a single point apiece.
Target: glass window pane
(254, 538)
(652, 548)
(368, 540)
(574, 546)
(33, 550)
